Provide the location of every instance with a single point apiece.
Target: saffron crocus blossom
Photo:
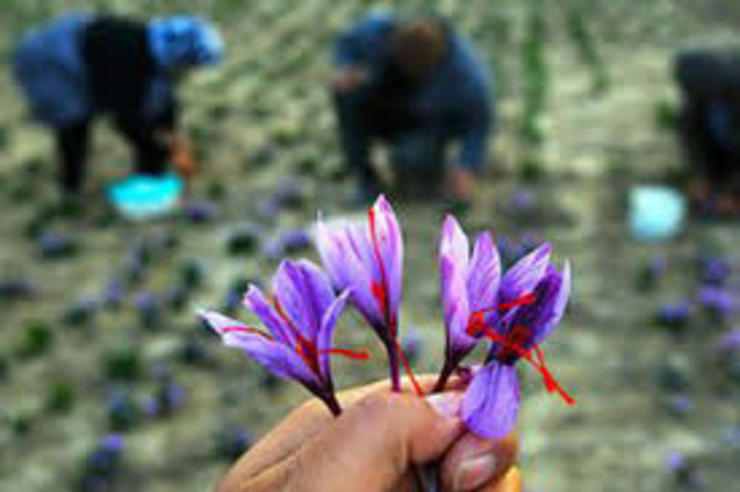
(368, 260)
(491, 402)
(469, 285)
(297, 341)
(473, 292)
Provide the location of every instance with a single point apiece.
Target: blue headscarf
(184, 41)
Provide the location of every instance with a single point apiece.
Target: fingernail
(445, 404)
(474, 472)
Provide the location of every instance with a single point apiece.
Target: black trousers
(151, 155)
(417, 154)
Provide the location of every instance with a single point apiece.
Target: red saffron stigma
(407, 369)
(528, 298)
(509, 345)
(352, 354)
(477, 319)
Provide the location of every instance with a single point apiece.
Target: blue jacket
(453, 106)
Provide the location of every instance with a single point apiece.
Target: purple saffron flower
(716, 300)
(491, 401)
(368, 261)
(300, 324)
(674, 315)
(728, 344)
(469, 286)
(293, 240)
(715, 271)
(200, 211)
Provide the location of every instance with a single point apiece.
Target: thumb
(375, 442)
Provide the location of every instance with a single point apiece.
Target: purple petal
(455, 306)
(556, 299)
(304, 293)
(454, 243)
(389, 241)
(256, 302)
(484, 274)
(345, 255)
(522, 278)
(326, 332)
(278, 358)
(491, 402)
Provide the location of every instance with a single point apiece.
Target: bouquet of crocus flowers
(513, 311)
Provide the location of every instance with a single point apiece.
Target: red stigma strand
(524, 300)
(351, 354)
(509, 346)
(407, 369)
(477, 319)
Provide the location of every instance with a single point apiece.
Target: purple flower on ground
(297, 342)
(715, 271)
(368, 260)
(522, 201)
(716, 300)
(54, 245)
(113, 294)
(200, 211)
(674, 315)
(728, 344)
(491, 402)
(295, 240)
(681, 404)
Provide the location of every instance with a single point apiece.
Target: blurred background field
(99, 333)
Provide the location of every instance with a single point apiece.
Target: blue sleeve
(364, 43)
(478, 114)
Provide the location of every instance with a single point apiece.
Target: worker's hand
(460, 185)
(182, 156)
(374, 445)
(348, 79)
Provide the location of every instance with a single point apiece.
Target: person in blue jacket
(416, 85)
(709, 123)
(80, 66)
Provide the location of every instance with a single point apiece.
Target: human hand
(182, 156)
(347, 79)
(373, 446)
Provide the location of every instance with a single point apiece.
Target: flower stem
(444, 376)
(334, 407)
(393, 362)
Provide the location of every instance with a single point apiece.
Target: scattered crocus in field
(491, 402)
(715, 270)
(368, 261)
(232, 441)
(200, 211)
(12, 289)
(147, 305)
(55, 245)
(728, 344)
(718, 301)
(102, 463)
(293, 240)
(112, 297)
(297, 341)
(674, 315)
